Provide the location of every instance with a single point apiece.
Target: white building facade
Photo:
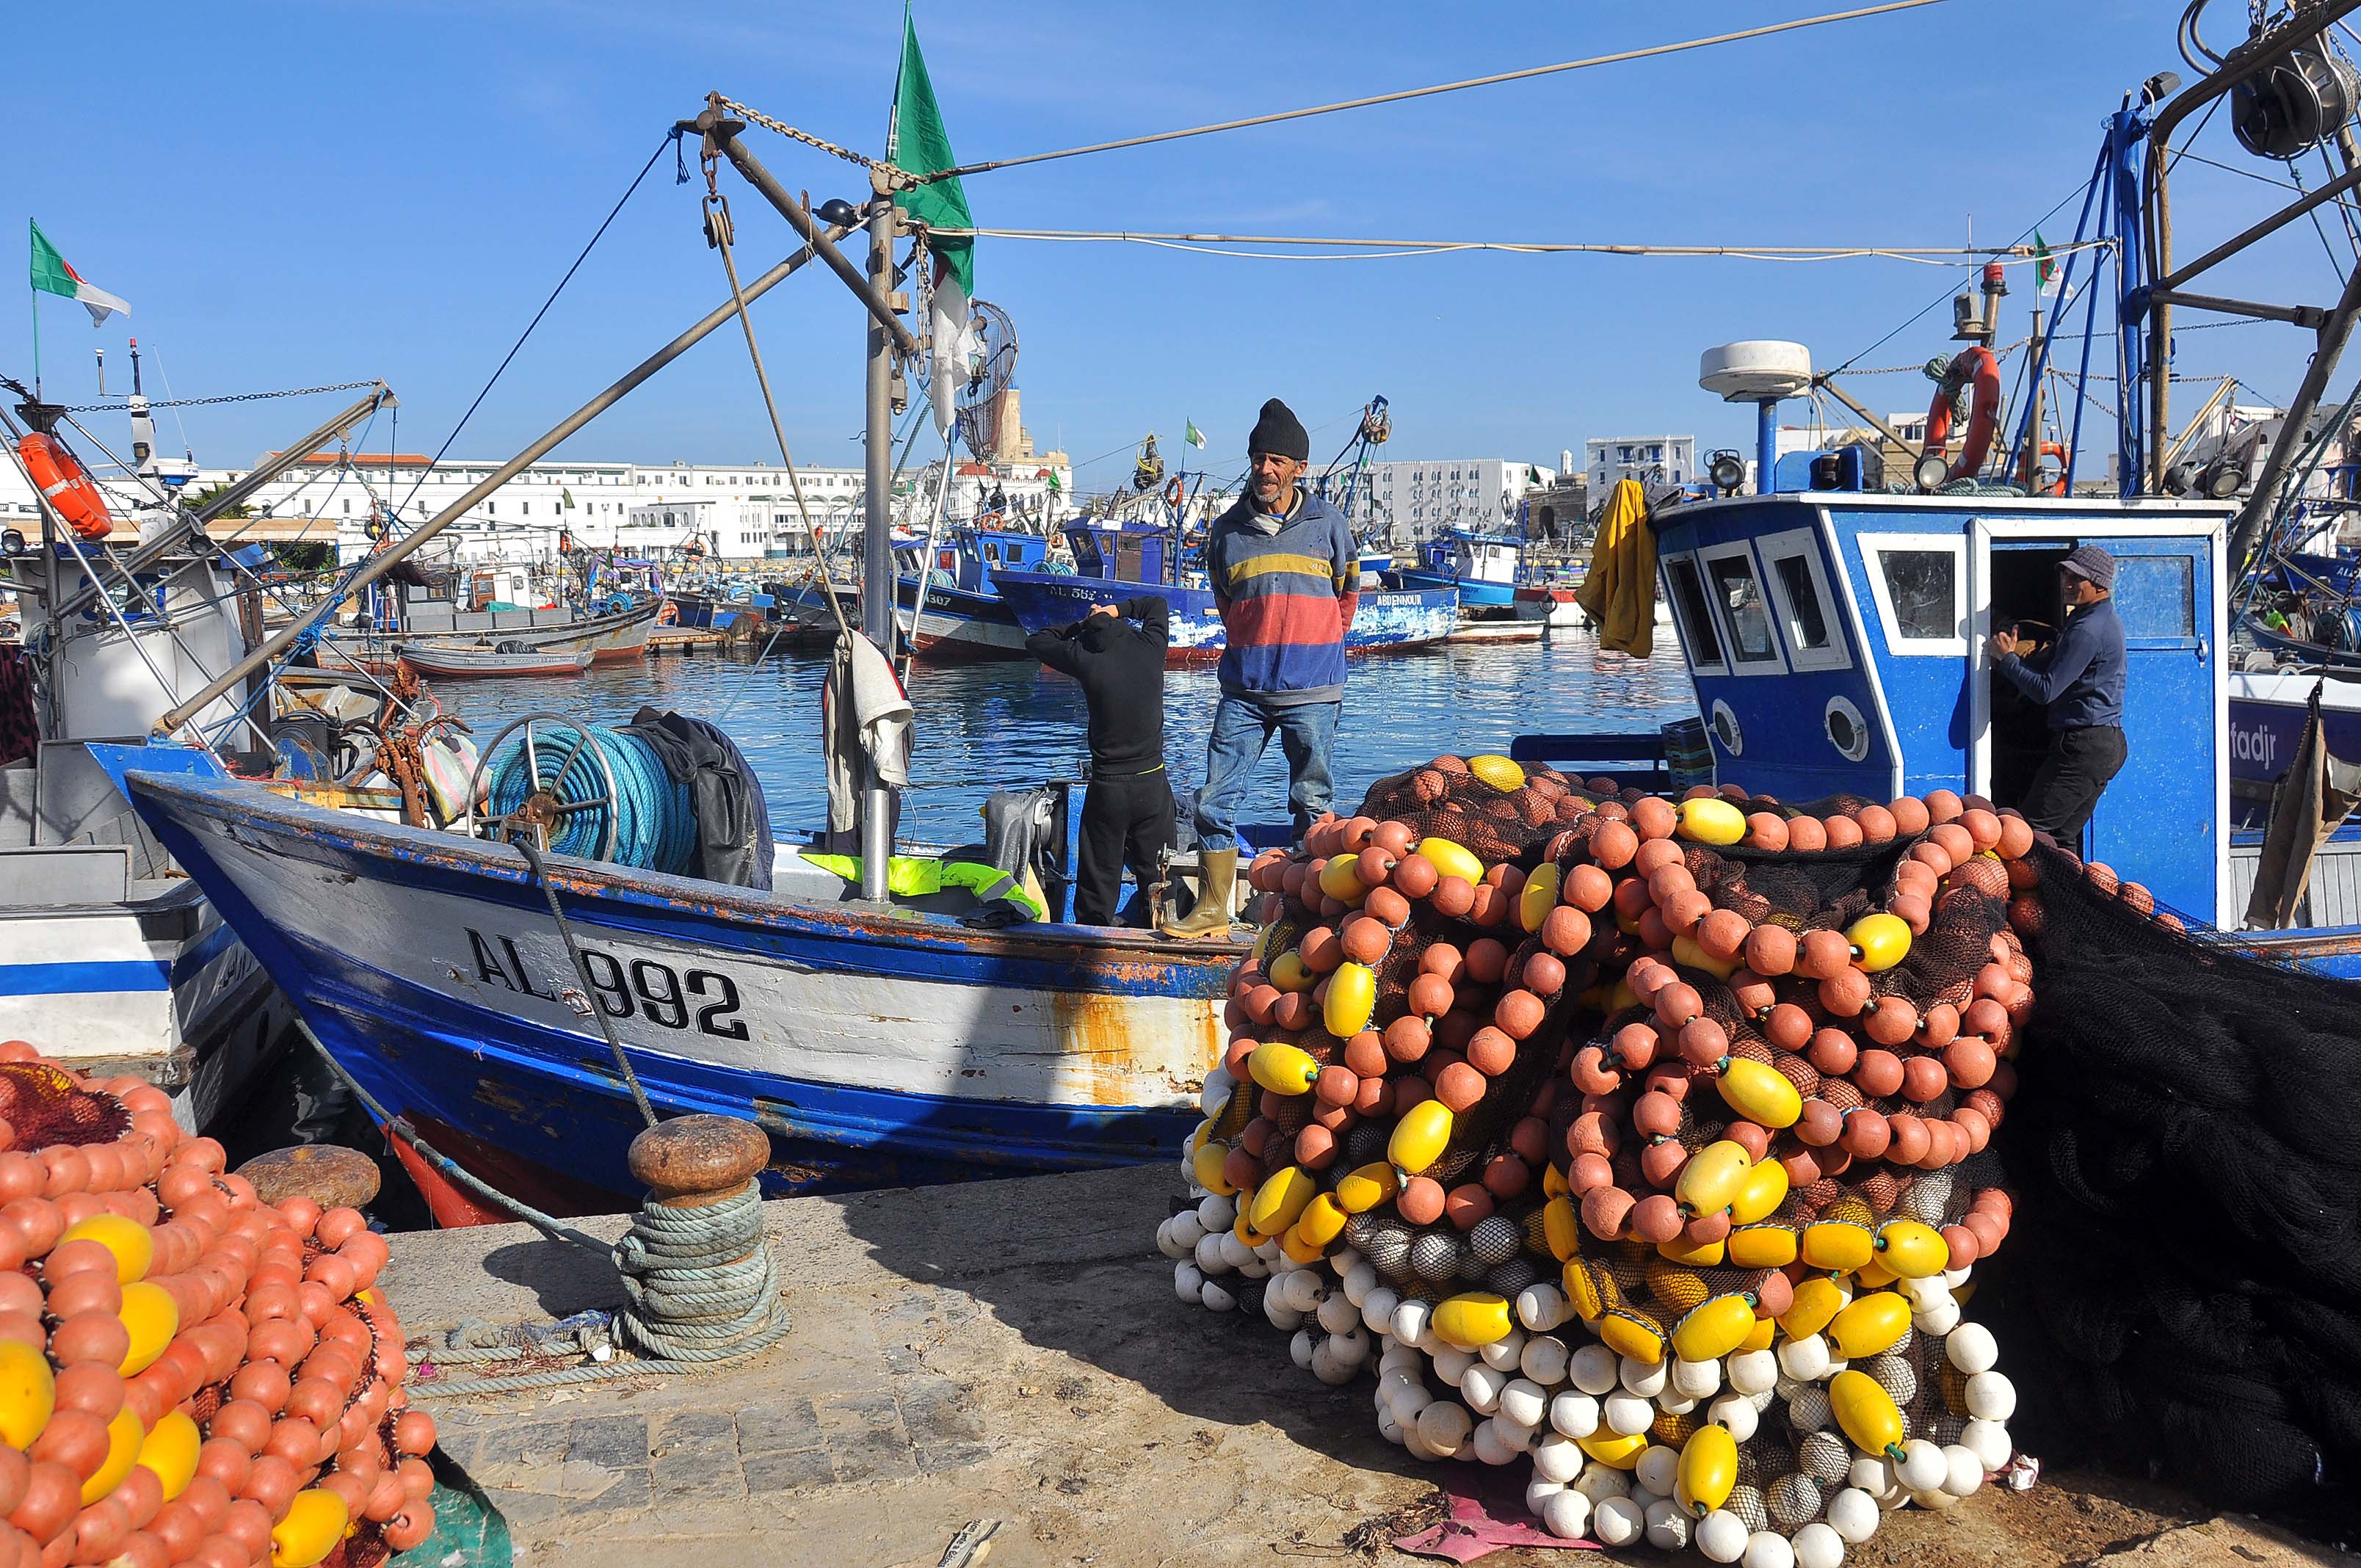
(736, 511)
(1656, 461)
(1418, 499)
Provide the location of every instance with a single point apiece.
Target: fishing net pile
(1645, 1140)
(187, 1375)
(2181, 1296)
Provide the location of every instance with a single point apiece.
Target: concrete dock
(1012, 1351)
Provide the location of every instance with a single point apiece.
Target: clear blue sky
(291, 194)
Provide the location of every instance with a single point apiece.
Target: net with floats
(1651, 1139)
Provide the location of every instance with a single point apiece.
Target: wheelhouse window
(1806, 621)
(1801, 600)
(1741, 597)
(1699, 634)
(1919, 582)
(1925, 591)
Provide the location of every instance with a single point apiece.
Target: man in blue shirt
(2078, 682)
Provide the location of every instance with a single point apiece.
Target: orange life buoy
(1174, 491)
(669, 615)
(2056, 487)
(66, 485)
(1982, 369)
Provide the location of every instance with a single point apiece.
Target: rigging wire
(546, 304)
(1924, 255)
(1529, 71)
(1970, 278)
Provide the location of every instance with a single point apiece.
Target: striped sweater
(1287, 600)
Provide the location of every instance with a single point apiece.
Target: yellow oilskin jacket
(1619, 589)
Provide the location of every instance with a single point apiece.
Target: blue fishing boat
(882, 1024)
(878, 1046)
(1114, 560)
(1483, 569)
(1835, 640)
(963, 615)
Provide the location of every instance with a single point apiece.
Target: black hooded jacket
(1119, 660)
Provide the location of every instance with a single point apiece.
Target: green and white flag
(1194, 436)
(916, 142)
(52, 275)
(2045, 265)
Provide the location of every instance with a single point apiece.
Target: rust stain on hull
(1120, 1066)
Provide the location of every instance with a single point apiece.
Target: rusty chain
(119, 406)
(896, 177)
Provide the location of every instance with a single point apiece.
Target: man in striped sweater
(1286, 573)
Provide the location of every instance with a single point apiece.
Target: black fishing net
(2184, 1286)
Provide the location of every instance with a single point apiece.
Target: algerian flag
(916, 142)
(566, 497)
(1194, 436)
(2045, 265)
(52, 276)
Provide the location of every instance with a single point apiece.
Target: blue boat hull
(1386, 622)
(959, 623)
(1474, 596)
(875, 1049)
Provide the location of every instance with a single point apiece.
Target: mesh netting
(44, 1106)
(2187, 1284)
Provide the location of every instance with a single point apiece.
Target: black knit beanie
(1280, 434)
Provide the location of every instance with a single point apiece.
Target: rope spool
(655, 824)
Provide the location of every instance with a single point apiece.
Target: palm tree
(205, 498)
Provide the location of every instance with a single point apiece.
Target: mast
(877, 556)
(2032, 459)
(143, 423)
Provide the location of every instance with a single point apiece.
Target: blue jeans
(1242, 729)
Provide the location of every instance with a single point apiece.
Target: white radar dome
(1761, 370)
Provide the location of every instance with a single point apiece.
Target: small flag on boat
(2045, 265)
(918, 143)
(1195, 437)
(566, 497)
(52, 275)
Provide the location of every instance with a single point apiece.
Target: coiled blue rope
(655, 826)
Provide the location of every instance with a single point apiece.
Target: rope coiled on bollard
(700, 1280)
(700, 1288)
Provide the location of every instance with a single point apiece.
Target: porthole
(1726, 729)
(1846, 731)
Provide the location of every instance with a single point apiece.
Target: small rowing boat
(468, 664)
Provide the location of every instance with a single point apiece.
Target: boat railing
(1612, 753)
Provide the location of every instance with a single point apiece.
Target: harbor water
(1010, 725)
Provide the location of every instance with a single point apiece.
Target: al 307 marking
(646, 988)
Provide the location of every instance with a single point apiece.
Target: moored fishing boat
(963, 614)
(877, 1048)
(1117, 560)
(479, 662)
(611, 626)
(109, 953)
(1482, 568)
(878, 1036)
